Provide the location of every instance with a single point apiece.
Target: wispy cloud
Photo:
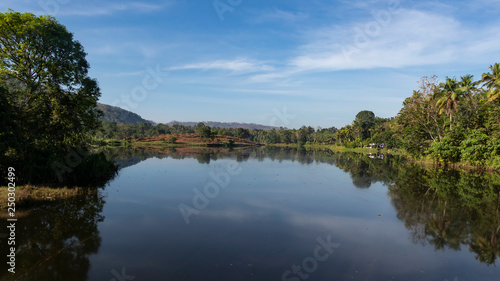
(102, 9)
(266, 92)
(277, 15)
(412, 38)
(239, 65)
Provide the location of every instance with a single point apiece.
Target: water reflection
(267, 220)
(448, 209)
(54, 241)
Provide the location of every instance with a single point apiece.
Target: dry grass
(192, 139)
(30, 195)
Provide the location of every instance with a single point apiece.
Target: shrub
(474, 148)
(445, 151)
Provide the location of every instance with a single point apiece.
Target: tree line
(453, 121)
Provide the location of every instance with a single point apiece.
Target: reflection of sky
(267, 219)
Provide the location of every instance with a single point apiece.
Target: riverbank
(179, 140)
(425, 161)
(29, 195)
(336, 148)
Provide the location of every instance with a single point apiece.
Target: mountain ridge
(119, 115)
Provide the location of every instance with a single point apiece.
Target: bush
(474, 149)
(494, 149)
(172, 139)
(353, 144)
(445, 151)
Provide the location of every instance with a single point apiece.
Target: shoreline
(28, 196)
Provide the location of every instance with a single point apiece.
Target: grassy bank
(29, 195)
(338, 148)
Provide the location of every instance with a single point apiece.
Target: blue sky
(284, 62)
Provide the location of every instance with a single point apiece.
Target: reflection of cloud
(364, 240)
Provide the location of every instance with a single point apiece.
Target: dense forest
(446, 122)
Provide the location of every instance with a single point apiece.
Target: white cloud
(239, 65)
(410, 38)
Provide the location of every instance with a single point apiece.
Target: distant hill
(119, 115)
(233, 125)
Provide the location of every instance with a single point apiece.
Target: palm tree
(492, 81)
(448, 95)
(467, 85)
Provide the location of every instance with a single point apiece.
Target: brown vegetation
(195, 139)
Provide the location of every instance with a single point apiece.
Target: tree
(365, 120)
(492, 82)
(448, 95)
(43, 71)
(467, 85)
(242, 133)
(205, 132)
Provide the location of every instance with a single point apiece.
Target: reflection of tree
(55, 240)
(447, 209)
(450, 209)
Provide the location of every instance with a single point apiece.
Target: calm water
(267, 214)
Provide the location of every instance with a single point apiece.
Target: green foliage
(445, 150)
(364, 122)
(172, 140)
(474, 149)
(242, 133)
(46, 97)
(205, 132)
(492, 82)
(353, 144)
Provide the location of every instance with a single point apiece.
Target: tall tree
(365, 120)
(43, 71)
(447, 96)
(467, 85)
(492, 82)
